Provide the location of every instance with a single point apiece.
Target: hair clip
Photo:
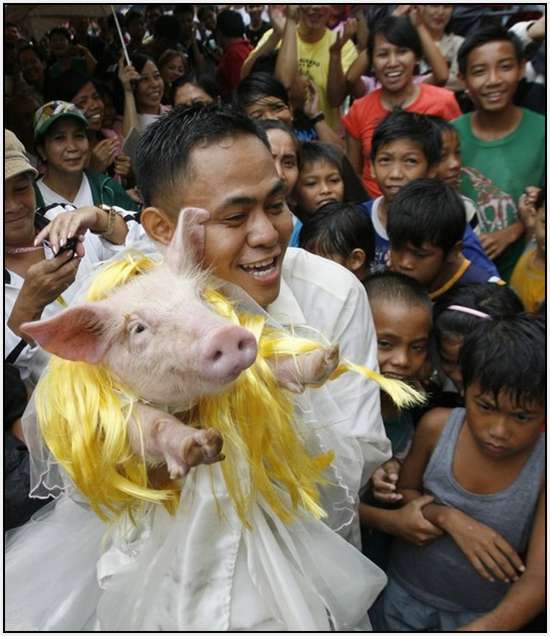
(469, 310)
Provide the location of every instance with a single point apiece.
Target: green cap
(48, 114)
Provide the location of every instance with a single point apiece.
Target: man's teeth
(261, 268)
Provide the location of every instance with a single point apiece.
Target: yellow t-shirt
(529, 281)
(313, 62)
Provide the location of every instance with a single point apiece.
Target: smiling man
(209, 158)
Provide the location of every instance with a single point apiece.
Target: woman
(61, 141)
(172, 66)
(40, 277)
(395, 49)
(196, 89)
(105, 143)
(143, 90)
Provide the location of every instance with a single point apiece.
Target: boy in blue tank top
(484, 466)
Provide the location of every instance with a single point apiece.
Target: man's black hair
(164, 149)
(426, 211)
(401, 124)
(497, 301)
(488, 32)
(276, 124)
(398, 31)
(66, 85)
(206, 81)
(396, 287)
(257, 86)
(507, 355)
(339, 228)
(230, 24)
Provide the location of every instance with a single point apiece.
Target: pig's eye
(137, 328)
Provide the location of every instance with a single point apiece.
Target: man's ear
(356, 259)
(158, 225)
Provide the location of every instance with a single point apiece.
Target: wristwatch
(317, 118)
(111, 221)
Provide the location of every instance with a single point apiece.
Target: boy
(402, 314)
(485, 468)
(219, 161)
(529, 277)
(426, 222)
(408, 146)
(503, 145)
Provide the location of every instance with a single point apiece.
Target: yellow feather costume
(83, 413)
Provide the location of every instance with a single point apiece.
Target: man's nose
(262, 231)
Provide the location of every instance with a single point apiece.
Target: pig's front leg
(295, 373)
(168, 440)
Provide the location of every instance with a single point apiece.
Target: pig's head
(155, 333)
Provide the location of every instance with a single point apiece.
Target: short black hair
(230, 24)
(339, 228)
(66, 86)
(443, 125)
(497, 301)
(276, 124)
(401, 124)
(426, 211)
(257, 86)
(164, 149)
(131, 15)
(206, 81)
(59, 30)
(181, 8)
(396, 287)
(507, 355)
(167, 27)
(488, 32)
(397, 30)
(317, 152)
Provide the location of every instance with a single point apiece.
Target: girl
(194, 89)
(394, 49)
(61, 141)
(484, 466)
(172, 66)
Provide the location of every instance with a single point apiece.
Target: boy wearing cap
(40, 275)
(62, 143)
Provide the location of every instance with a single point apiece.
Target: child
(426, 222)
(402, 314)
(325, 177)
(529, 277)
(407, 146)
(503, 145)
(342, 233)
(485, 468)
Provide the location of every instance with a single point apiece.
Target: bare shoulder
(432, 424)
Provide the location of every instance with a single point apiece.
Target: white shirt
(83, 198)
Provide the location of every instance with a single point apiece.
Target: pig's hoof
(203, 447)
(332, 357)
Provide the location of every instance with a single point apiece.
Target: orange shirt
(367, 112)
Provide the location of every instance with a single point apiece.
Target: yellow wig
(83, 413)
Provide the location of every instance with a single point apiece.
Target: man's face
(250, 224)
(314, 16)
(492, 75)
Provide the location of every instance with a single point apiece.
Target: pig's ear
(78, 333)
(187, 245)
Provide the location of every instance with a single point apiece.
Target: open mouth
(393, 75)
(262, 270)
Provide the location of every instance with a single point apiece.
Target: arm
(336, 83)
(434, 57)
(89, 59)
(354, 152)
(526, 597)
(494, 243)
(127, 74)
(286, 68)
(311, 109)
(264, 48)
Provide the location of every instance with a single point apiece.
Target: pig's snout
(226, 352)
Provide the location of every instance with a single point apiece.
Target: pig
(162, 341)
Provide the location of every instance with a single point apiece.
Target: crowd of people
(374, 172)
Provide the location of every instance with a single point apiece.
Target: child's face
(393, 65)
(449, 352)
(319, 183)
(502, 429)
(397, 163)
(402, 332)
(448, 169)
(540, 229)
(437, 16)
(422, 263)
(492, 75)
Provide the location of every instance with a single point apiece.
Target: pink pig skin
(156, 334)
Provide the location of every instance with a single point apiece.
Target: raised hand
(103, 154)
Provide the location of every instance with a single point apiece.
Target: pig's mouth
(262, 269)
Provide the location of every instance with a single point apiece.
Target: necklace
(22, 250)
